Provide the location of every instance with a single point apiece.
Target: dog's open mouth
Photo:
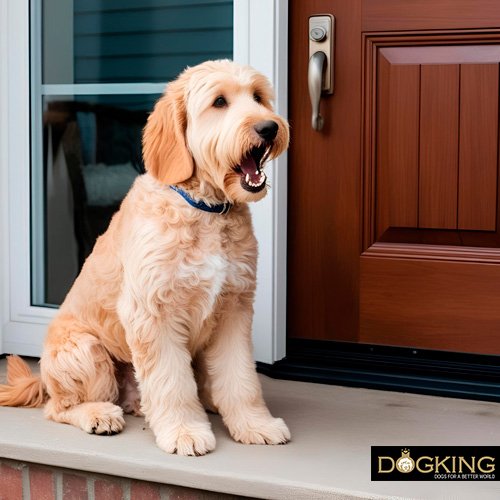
(253, 178)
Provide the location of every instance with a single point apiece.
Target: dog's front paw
(269, 431)
(188, 440)
(101, 418)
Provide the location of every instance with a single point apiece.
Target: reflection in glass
(111, 41)
(97, 67)
(92, 154)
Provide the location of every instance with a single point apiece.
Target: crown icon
(405, 452)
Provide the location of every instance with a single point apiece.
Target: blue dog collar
(221, 208)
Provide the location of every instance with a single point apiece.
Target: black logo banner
(435, 463)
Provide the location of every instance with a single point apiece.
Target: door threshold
(399, 369)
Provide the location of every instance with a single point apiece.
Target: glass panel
(92, 154)
(117, 41)
(97, 67)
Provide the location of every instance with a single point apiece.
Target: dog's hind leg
(94, 418)
(79, 375)
(130, 397)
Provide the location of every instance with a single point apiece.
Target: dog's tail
(23, 389)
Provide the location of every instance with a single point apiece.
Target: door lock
(318, 34)
(321, 57)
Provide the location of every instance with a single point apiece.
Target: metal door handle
(320, 71)
(315, 81)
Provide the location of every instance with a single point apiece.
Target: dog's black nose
(267, 130)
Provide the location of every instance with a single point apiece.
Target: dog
(159, 320)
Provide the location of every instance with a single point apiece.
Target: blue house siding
(149, 41)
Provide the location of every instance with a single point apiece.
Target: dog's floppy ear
(166, 155)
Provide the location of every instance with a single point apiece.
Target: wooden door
(394, 234)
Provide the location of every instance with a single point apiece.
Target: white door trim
(23, 326)
(260, 39)
(4, 253)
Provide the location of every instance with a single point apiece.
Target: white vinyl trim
(4, 223)
(280, 199)
(260, 39)
(19, 318)
(19, 170)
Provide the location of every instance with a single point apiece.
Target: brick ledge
(20, 480)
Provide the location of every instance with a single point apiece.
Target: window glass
(90, 41)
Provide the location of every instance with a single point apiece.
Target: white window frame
(260, 39)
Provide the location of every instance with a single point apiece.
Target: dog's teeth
(247, 178)
(256, 172)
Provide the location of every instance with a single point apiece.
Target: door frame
(260, 39)
(4, 284)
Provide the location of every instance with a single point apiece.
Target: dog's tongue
(249, 167)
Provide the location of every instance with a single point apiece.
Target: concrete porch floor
(329, 456)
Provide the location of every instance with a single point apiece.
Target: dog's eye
(257, 98)
(220, 102)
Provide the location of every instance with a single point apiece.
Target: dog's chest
(204, 274)
(217, 269)
(222, 258)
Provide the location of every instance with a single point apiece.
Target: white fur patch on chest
(207, 276)
(214, 270)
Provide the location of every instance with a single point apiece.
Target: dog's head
(216, 124)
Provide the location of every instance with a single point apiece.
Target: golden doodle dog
(166, 297)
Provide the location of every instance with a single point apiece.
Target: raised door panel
(429, 273)
(436, 121)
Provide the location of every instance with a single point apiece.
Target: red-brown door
(394, 234)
